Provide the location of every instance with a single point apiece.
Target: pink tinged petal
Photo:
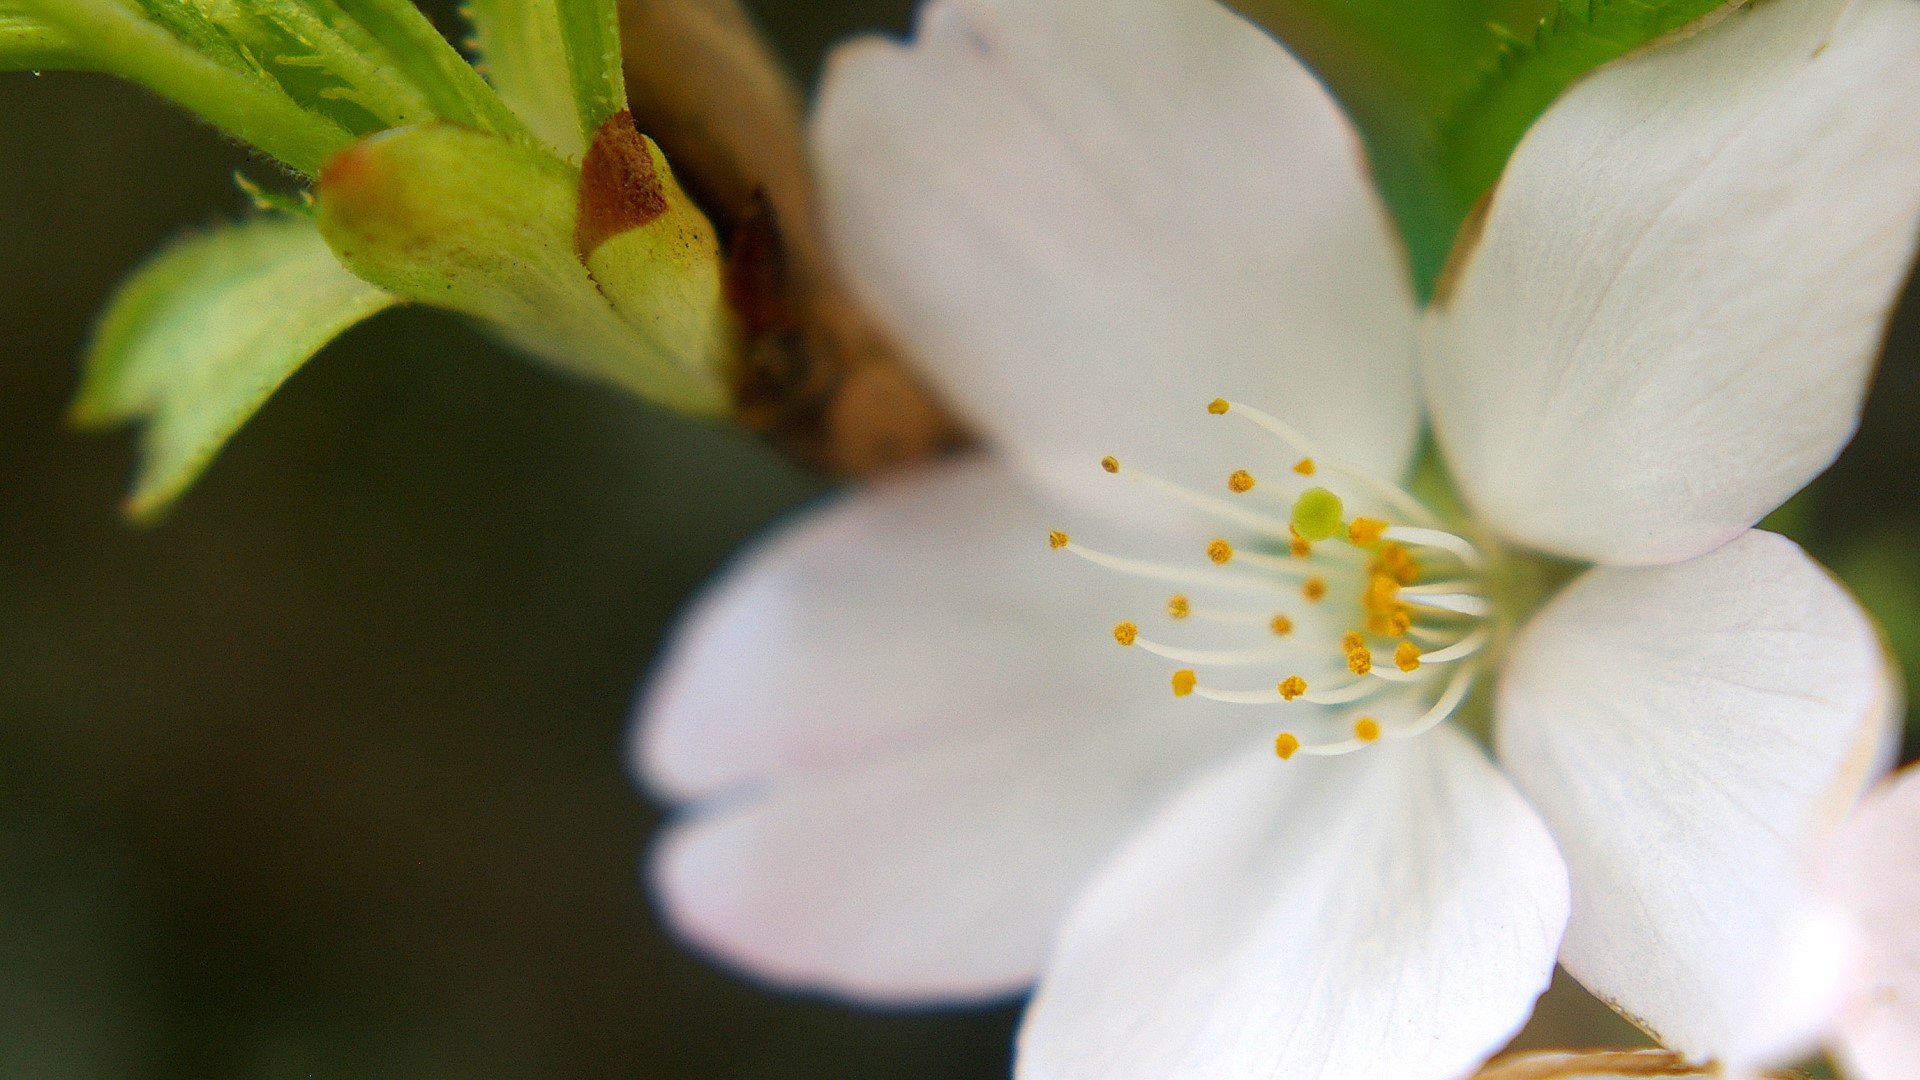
(1670, 320)
(1690, 733)
(1087, 219)
(1875, 873)
(937, 873)
(1592, 1065)
(1391, 915)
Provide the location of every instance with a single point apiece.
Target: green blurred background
(324, 777)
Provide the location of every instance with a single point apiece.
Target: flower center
(1367, 620)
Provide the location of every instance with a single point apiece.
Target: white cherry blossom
(915, 765)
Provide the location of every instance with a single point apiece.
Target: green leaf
(457, 92)
(522, 55)
(1443, 90)
(204, 333)
(591, 31)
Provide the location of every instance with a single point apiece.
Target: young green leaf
(119, 38)
(521, 53)
(204, 333)
(456, 91)
(30, 44)
(591, 31)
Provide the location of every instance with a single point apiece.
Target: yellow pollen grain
(1406, 656)
(1125, 633)
(1297, 545)
(1360, 660)
(1183, 682)
(1315, 589)
(1218, 406)
(1366, 729)
(1056, 539)
(1110, 463)
(1286, 744)
(1177, 607)
(1240, 482)
(1220, 551)
(1281, 626)
(1292, 687)
(1352, 641)
(1383, 593)
(1365, 531)
(1304, 466)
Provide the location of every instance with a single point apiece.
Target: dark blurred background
(324, 777)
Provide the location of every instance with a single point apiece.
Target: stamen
(1365, 531)
(1385, 489)
(1462, 603)
(1352, 641)
(1206, 504)
(1183, 682)
(1436, 538)
(1281, 626)
(1240, 482)
(1315, 590)
(1406, 656)
(1304, 466)
(1220, 552)
(1297, 545)
(1366, 729)
(1360, 660)
(1286, 744)
(1459, 650)
(1176, 575)
(1292, 686)
(1126, 633)
(1450, 699)
(1219, 657)
(1177, 607)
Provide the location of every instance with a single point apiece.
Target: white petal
(1088, 218)
(1689, 733)
(1671, 317)
(1392, 914)
(1875, 872)
(937, 873)
(915, 736)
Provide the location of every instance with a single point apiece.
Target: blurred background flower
(323, 777)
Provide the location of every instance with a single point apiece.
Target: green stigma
(1318, 514)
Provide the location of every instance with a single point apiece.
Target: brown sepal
(619, 187)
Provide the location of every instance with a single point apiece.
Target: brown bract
(619, 187)
(815, 374)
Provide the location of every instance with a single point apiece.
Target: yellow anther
(1297, 545)
(1352, 641)
(1110, 463)
(1406, 656)
(1292, 687)
(1218, 406)
(1383, 594)
(1304, 466)
(1360, 660)
(1315, 589)
(1177, 607)
(1125, 633)
(1399, 621)
(1394, 562)
(1365, 531)
(1183, 681)
(1281, 626)
(1056, 539)
(1220, 551)
(1240, 482)
(1366, 729)
(1286, 744)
